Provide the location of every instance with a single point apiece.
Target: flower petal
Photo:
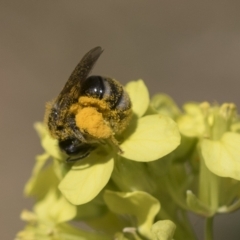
(42, 179)
(63, 211)
(120, 236)
(191, 124)
(54, 208)
(42, 207)
(68, 232)
(49, 144)
(141, 205)
(32, 182)
(197, 206)
(139, 96)
(222, 157)
(163, 230)
(154, 137)
(163, 104)
(81, 185)
(227, 209)
(108, 222)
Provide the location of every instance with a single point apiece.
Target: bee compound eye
(72, 147)
(93, 87)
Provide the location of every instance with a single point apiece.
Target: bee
(88, 111)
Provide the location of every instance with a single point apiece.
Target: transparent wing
(71, 90)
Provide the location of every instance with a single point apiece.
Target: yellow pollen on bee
(89, 120)
(74, 108)
(89, 101)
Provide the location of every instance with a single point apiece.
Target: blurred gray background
(188, 49)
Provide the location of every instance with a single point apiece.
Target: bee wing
(71, 90)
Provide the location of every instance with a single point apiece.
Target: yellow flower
(147, 138)
(217, 127)
(48, 221)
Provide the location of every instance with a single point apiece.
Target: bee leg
(116, 145)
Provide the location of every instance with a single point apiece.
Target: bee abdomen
(106, 89)
(93, 87)
(124, 102)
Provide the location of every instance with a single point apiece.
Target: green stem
(208, 234)
(209, 186)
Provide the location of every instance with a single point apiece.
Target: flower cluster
(173, 162)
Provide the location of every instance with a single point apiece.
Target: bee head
(75, 149)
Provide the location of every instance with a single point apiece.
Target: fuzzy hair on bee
(88, 110)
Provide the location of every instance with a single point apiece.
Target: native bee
(88, 111)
